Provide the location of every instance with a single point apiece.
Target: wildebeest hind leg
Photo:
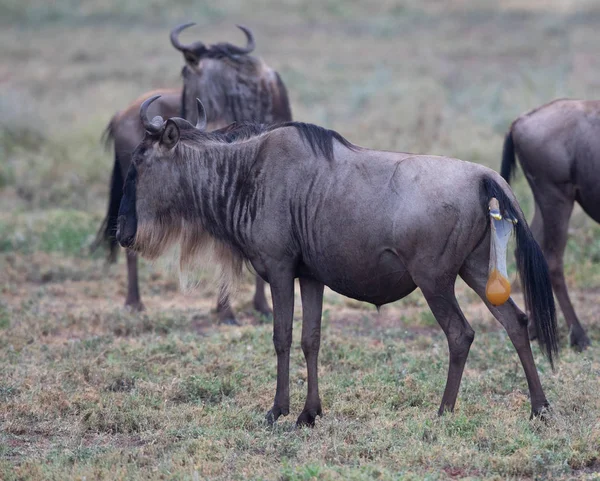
(459, 334)
(475, 273)
(312, 306)
(260, 300)
(556, 207)
(133, 300)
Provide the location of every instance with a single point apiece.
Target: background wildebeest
(237, 87)
(558, 145)
(297, 200)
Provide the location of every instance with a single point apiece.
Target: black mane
(318, 138)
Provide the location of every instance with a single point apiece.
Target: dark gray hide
(297, 200)
(558, 146)
(238, 87)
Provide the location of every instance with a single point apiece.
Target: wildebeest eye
(139, 154)
(191, 58)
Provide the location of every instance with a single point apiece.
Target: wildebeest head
(196, 51)
(157, 192)
(232, 85)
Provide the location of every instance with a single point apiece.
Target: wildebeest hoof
(230, 321)
(308, 417)
(135, 306)
(579, 340)
(275, 412)
(542, 412)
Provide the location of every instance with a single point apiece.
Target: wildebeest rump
(237, 86)
(297, 200)
(558, 146)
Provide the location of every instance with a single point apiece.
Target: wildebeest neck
(224, 188)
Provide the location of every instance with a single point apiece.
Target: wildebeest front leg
(260, 300)
(312, 307)
(556, 208)
(282, 292)
(459, 334)
(133, 300)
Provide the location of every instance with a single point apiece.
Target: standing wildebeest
(558, 146)
(297, 200)
(237, 87)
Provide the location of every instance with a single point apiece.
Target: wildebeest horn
(201, 123)
(249, 43)
(174, 36)
(153, 126)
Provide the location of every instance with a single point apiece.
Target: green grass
(65, 231)
(90, 390)
(170, 401)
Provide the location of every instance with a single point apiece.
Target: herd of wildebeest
(219, 166)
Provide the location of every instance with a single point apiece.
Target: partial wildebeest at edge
(238, 87)
(558, 146)
(297, 200)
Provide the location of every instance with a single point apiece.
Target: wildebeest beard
(182, 209)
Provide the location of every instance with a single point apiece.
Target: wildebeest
(297, 200)
(559, 150)
(238, 87)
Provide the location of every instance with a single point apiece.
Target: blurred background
(426, 76)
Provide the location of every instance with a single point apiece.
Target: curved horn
(153, 126)
(201, 123)
(233, 50)
(174, 36)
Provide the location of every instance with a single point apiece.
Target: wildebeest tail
(532, 268)
(508, 157)
(108, 134)
(106, 233)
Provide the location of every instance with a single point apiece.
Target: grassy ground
(91, 391)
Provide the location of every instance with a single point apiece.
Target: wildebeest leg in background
(224, 311)
(443, 304)
(556, 206)
(282, 292)
(260, 300)
(133, 287)
(537, 225)
(312, 307)
(475, 273)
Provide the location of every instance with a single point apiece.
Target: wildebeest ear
(170, 135)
